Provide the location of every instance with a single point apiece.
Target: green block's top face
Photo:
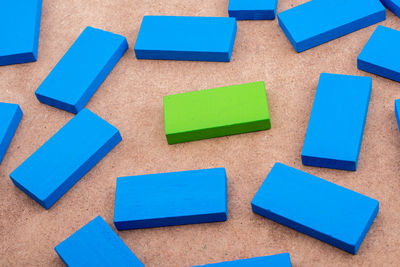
(215, 108)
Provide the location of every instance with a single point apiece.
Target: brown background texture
(131, 99)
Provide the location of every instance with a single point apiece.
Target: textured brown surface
(131, 99)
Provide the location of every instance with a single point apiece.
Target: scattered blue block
(174, 198)
(65, 158)
(337, 121)
(10, 116)
(316, 207)
(397, 111)
(96, 244)
(381, 55)
(253, 10)
(320, 21)
(279, 260)
(186, 38)
(19, 31)
(392, 5)
(82, 70)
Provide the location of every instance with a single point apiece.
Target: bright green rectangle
(216, 112)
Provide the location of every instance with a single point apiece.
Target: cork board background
(131, 99)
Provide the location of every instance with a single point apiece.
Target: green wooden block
(216, 112)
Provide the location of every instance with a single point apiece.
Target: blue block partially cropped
(392, 5)
(253, 9)
(335, 130)
(82, 70)
(19, 31)
(10, 116)
(397, 111)
(279, 260)
(320, 21)
(96, 244)
(65, 158)
(316, 207)
(174, 198)
(381, 54)
(186, 38)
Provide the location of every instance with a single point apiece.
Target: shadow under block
(320, 21)
(279, 260)
(397, 111)
(216, 112)
(392, 5)
(253, 9)
(335, 130)
(19, 31)
(186, 38)
(381, 54)
(10, 116)
(82, 70)
(65, 158)
(316, 207)
(96, 244)
(167, 199)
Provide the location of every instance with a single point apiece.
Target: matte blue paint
(65, 158)
(316, 207)
(397, 111)
(279, 260)
(19, 31)
(253, 9)
(96, 244)
(337, 121)
(82, 70)
(381, 54)
(174, 198)
(320, 21)
(186, 38)
(10, 116)
(392, 5)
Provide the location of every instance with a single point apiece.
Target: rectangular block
(216, 112)
(96, 244)
(392, 5)
(186, 38)
(313, 206)
(19, 31)
(336, 126)
(320, 21)
(253, 10)
(82, 70)
(381, 55)
(10, 116)
(65, 158)
(279, 260)
(397, 111)
(168, 199)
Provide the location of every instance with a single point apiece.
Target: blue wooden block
(316, 207)
(10, 116)
(397, 111)
(19, 31)
(320, 21)
(279, 260)
(186, 38)
(337, 121)
(174, 198)
(81, 71)
(96, 244)
(65, 158)
(381, 55)
(253, 9)
(392, 5)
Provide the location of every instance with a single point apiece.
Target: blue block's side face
(279, 260)
(171, 199)
(317, 22)
(252, 10)
(397, 111)
(19, 32)
(10, 116)
(65, 158)
(186, 38)
(80, 72)
(392, 5)
(381, 54)
(96, 244)
(316, 207)
(337, 121)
